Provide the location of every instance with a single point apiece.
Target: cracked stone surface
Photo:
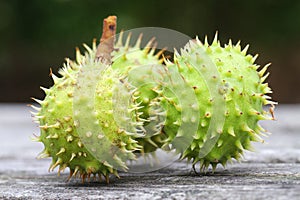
(272, 172)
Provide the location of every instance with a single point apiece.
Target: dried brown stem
(106, 45)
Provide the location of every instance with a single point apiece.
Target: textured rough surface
(272, 172)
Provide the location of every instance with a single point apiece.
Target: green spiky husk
(244, 92)
(59, 127)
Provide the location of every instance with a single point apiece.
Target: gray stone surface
(272, 172)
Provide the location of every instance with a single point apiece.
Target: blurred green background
(38, 34)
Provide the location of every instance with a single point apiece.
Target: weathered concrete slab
(273, 172)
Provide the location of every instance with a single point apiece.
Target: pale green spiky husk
(58, 125)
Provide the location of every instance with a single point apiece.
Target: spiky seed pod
(57, 117)
(241, 86)
(80, 108)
